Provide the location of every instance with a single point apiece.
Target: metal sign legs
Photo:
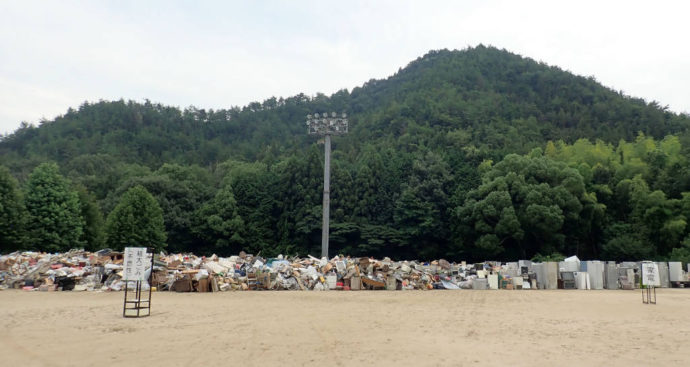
(649, 295)
(137, 303)
(134, 305)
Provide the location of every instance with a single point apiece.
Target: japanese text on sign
(135, 263)
(650, 274)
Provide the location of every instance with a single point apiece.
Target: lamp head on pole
(327, 125)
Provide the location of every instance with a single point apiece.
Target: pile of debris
(102, 271)
(73, 270)
(247, 272)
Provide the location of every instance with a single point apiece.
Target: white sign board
(650, 274)
(135, 263)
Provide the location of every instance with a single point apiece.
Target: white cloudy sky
(216, 54)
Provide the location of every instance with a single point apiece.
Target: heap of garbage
(103, 271)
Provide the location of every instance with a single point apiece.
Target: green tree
(526, 205)
(625, 242)
(54, 221)
(682, 253)
(421, 209)
(299, 191)
(220, 224)
(13, 215)
(136, 221)
(180, 191)
(252, 187)
(94, 235)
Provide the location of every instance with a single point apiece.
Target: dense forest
(472, 154)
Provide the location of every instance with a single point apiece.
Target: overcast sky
(57, 54)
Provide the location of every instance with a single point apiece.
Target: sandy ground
(434, 328)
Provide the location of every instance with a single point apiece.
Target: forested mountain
(462, 154)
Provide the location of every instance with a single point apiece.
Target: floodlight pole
(326, 126)
(326, 196)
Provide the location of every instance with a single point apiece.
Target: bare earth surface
(435, 328)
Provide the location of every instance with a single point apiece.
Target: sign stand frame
(649, 281)
(650, 293)
(137, 303)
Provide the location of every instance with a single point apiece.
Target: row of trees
(52, 215)
(593, 199)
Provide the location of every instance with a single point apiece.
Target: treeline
(468, 154)
(596, 200)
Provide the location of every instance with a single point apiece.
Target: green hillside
(422, 174)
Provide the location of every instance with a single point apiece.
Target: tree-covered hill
(493, 100)
(503, 103)
(421, 173)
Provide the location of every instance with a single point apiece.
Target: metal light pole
(326, 126)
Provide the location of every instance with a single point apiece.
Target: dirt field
(435, 328)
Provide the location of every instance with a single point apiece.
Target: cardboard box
(202, 286)
(182, 285)
(263, 280)
(373, 284)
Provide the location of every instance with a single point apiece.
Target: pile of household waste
(103, 271)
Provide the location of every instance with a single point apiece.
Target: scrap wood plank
(299, 281)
